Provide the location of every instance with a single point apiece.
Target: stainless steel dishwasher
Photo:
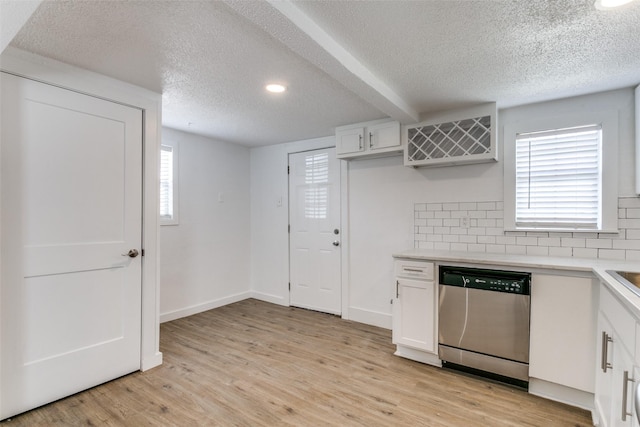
(484, 322)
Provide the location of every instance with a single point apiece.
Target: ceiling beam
(285, 22)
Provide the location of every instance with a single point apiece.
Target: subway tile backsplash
(479, 227)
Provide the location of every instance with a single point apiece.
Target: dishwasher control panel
(490, 280)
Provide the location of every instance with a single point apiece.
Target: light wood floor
(259, 364)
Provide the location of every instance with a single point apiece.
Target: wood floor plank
(257, 364)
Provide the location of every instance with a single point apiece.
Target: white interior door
(71, 206)
(315, 235)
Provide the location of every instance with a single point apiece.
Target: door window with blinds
(169, 184)
(316, 195)
(558, 178)
(561, 172)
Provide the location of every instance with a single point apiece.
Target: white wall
(621, 100)
(382, 198)
(438, 224)
(204, 260)
(382, 194)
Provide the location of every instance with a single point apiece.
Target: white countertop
(598, 267)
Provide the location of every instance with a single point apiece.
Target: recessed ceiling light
(610, 4)
(275, 88)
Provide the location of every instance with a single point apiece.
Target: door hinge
(142, 252)
(289, 285)
(288, 170)
(289, 228)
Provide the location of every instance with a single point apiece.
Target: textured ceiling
(439, 54)
(343, 62)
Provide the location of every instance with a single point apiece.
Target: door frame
(344, 228)
(34, 67)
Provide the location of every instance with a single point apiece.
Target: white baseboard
(199, 308)
(418, 355)
(563, 394)
(274, 299)
(382, 320)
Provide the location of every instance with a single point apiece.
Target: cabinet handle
(604, 363)
(397, 290)
(359, 142)
(625, 380)
(370, 140)
(415, 270)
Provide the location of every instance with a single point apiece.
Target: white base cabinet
(413, 326)
(415, 311)
(572, 314)
(616, 371)
(563, 318)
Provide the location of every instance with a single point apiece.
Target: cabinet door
(414, 314)
(635, 422)
(563, 318)
(622, 412)
(604, 376)
(350, 141)
(383, 135)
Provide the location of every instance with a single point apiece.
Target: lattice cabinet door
(450, 138)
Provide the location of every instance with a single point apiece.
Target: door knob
(336, 243)
(132, 253)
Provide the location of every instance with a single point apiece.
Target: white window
(558, 178)
(169, 184)
(562, 178)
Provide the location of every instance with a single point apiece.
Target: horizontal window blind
(558, 178)
(316, 195)
(166, 182)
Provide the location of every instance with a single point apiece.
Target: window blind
(166, 182)
(558, 178)
(316, 195)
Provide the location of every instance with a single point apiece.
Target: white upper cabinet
(349, 142)
(453, 137)
(368, 139)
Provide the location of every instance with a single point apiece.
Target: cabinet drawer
(621, 320)
(414, 269)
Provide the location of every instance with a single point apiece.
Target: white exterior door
(71, 187)
(315, 235)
